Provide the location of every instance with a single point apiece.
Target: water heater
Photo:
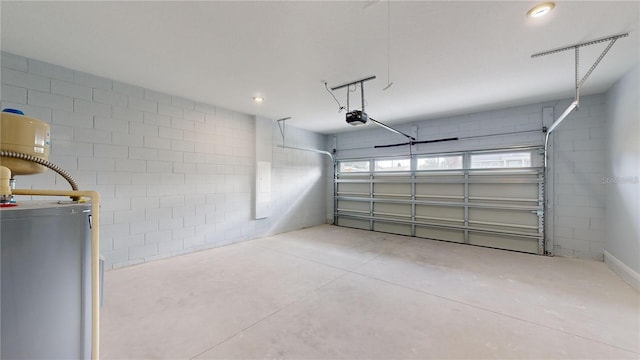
(45, 272)
(50, 254)
(25, 135)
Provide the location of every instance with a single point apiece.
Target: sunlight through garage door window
(501, 160)
(354, 166)
(393, 165)
(453, 162)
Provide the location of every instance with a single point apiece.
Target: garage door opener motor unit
(360, 117)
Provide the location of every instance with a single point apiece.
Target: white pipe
(95, 255)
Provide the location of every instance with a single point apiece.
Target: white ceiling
(447, 57)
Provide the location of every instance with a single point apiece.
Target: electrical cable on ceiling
(340, 107)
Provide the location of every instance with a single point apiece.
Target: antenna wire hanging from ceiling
(389, 83)
(340, 107)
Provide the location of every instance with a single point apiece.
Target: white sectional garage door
(489, 198)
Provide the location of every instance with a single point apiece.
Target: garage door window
(354, 166)
(501, 160)
(440, 163)
(393, 165)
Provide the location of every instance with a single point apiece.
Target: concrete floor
(337, 293)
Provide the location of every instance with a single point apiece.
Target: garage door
(487, 198)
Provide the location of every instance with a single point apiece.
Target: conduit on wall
(578, 82)
(43, 162)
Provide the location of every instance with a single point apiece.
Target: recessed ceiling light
(258, 99)
(540, 9)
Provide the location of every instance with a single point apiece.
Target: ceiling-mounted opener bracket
(361, 115)
(578, 81)
(361, 82)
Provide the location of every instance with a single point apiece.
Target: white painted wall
(623, 171)
(577, 162)
(175, 175)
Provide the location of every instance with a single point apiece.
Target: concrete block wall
(578, 167)
(577, 163)
(174, 175)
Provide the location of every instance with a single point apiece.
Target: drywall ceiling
(445, 57)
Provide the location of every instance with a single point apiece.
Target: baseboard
(626, 273)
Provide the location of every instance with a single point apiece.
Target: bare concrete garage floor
(337, 293)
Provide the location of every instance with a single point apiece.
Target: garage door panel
(392, 228)
(392, 189)
(484, 205)
(508, 191)
(358, 206)
(440, 234)
(350, 188)
(516, 205)
(500, 176)
(445, 190)
(443, 178)
(440, 211)
(384, 209)
(504, 216)
(353, 223)
(504, 242)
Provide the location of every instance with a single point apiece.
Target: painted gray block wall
(623, 171)
(577, 165)
(175, 175)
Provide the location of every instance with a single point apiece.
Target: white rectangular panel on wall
(263, 189)
(264, 147)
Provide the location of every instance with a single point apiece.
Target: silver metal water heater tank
(46, 281)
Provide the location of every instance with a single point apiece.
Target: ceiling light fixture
(541, 9)
(258, 99)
